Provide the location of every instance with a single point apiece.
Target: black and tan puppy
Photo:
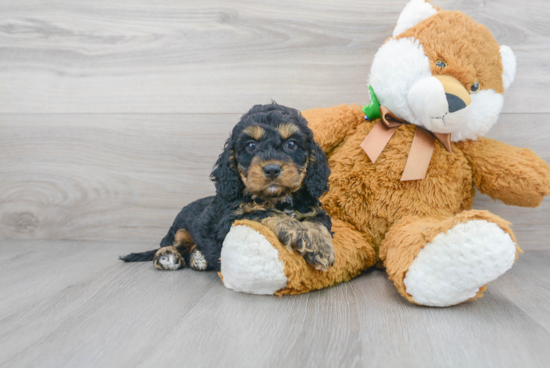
(271, 171)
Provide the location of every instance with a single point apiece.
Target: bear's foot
(250, 264)
(455, 265)
(253, 260)
(440, 263)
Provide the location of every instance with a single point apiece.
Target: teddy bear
(403, 172)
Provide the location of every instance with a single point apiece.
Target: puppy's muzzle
(272, 171)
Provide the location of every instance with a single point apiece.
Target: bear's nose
(455, 103)
(457, 96)
(272, 170)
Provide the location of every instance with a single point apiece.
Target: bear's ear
(415, 12)
(508, 65)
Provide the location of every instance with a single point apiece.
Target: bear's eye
(440, 64)
(475, 87)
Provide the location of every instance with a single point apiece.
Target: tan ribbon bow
(422, 146)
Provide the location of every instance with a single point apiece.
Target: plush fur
(271, 170)
(246, 249)
(415, 12)
(461, 261)
(353, 255)
(408, 85)
(380, 220)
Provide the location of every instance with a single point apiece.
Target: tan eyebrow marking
(255, 131)
(287, 129)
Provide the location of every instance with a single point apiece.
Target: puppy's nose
(272, 170)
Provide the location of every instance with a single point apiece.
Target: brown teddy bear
(402, 182)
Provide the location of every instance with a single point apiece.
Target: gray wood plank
(223, 56)
(75, 305)
(126, 176)
(104, 177)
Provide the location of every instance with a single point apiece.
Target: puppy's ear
(316, 179)
(226, 176)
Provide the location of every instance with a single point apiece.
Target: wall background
(112, 112)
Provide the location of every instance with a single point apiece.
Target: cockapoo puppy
(271, 171)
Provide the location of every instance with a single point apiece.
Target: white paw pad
(250, 264)
(169, 262)
(452, 268)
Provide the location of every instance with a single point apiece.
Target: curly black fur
(208, 220)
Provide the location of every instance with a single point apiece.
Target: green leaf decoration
(372, 110)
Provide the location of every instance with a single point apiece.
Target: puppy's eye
(475, 87)
(291, 145)
(251, 146)
(440, 64)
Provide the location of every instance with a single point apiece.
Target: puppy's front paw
(314, 243)
(168, 258)
(289, 236)
(310, 239)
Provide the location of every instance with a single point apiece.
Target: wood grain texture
(223, 56)
(126, 176)
(101, 177)
(89, 176)
(112, 113)
(73, 304)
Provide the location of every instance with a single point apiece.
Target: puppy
(271, 171)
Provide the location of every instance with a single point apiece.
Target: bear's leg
(446, 261)
(254, 261)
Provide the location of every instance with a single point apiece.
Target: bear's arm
(332, 125)
(516, 176)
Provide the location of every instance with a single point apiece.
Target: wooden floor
(73, 304)
(112, 113)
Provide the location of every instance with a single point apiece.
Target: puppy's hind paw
(168, 258)
(197, 261)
